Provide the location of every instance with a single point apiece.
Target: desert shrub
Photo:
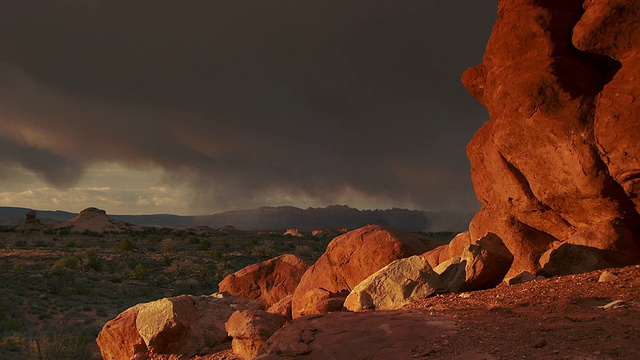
(13, 344)
(215, 253)
(64, 231)
(20, 244)
(71, 262)
(304, 251)
(62, 341)
(91, 261)
(58, 279)
(264, 249)
(183, 268)
(168, 245)
(191, 270)
(205, 245)
(126, 246)
(10, 317)
(82, 261)
(222, 269)
(41, 243)
(139, 272)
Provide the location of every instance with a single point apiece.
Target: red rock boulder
(120, 339)
(349, 259)
(171, 328)
(267, 282)
(250, 330)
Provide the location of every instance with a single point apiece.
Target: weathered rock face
(250, 330)
(267, 282)
(349, 259)
(399, 334)
(559, 159)
(481, 265)
(282, 307)
(171, 328)
(394, 285)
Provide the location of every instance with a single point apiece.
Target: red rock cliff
(557, 166)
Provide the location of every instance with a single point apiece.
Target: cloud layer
(247, 103)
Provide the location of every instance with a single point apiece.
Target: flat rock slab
(398, 334)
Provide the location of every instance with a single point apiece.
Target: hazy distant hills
(12, 216)
(278, 218)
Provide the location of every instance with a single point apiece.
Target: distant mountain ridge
(277, 218)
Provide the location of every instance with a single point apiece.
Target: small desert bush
(204, 245)
(58, 280)
(222, 269)
(126, 246)
(265, 249)
(304, 251)
(139, 272)
(168, 245)
(61, 341)
(82, 261)
(20, 244)
(182, 268)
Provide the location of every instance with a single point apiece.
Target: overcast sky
(201, 106)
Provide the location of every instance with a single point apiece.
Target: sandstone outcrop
(171, 328)
(293, 232)
(559, 158)
(267, 282)
(349, 259)
(31, 225)
(394, 285)
(398, 334)
(250, 330)
(96, 220)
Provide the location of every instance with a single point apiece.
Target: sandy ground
(556, 318)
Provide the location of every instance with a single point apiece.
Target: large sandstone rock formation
(267, 282)
(96, 220)
(559, 160)
(171, 328)
(349, 259)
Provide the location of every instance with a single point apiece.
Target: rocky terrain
(402, 311)
(556, 170)
(547, 270)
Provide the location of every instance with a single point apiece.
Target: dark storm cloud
(243, 99)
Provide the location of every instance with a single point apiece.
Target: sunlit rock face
(558, 161)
